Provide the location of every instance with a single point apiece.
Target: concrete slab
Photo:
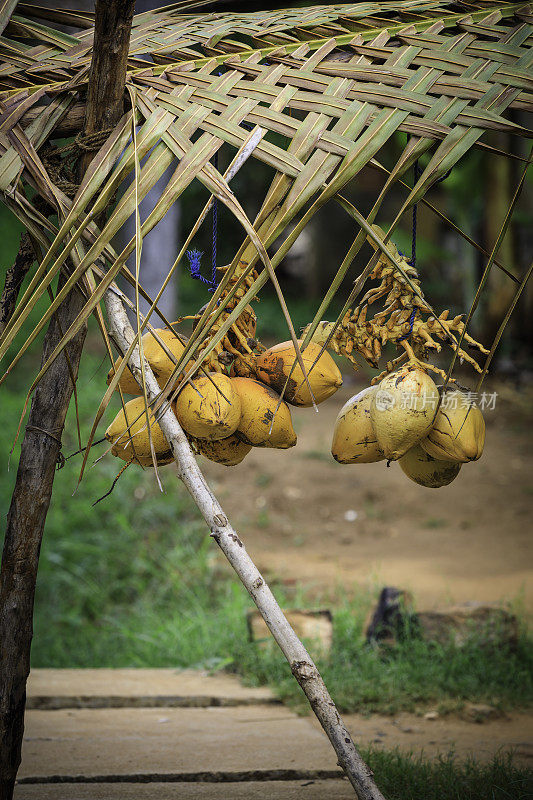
(117, 688)
(119, 742)
(256, 790)
(227, 748)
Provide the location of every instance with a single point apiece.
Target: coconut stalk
(41, 445)
(300, 662)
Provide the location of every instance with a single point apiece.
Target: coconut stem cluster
(405, 319)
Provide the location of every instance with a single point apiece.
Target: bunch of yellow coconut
(405, 419)
(223, 415)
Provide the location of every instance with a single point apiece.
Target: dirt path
(444, 735)
(304, 517)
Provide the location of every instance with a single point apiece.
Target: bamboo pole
(301, 663)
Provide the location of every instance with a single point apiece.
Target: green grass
(408, 777)
(132, 580)
(412, 677)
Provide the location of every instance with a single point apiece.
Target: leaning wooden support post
(42, 440)
(301, 663)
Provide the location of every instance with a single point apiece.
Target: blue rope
(195, 256)
(411, 323)
(417, 173)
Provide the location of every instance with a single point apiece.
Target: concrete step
(131, 742)
(254, 790)
(103, 733)
(224, 741)
(139, 688)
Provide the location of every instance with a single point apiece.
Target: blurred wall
(160, 247)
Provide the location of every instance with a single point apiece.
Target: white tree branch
(301, 664)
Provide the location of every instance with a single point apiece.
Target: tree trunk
(42, 440)
(159, 250)
(25, 524)
(498, 195)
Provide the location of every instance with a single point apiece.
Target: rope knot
(195, 257)
(91, 142)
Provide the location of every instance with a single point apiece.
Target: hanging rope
(416, 169)
(409, 332)
(416, 175)
(214, 234)
(417, 172)
(195, 256)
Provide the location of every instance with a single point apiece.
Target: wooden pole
(42, 439)
(25, 524)
(107, 76)
(301, 663)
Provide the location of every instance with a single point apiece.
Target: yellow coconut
(259, 415)
(427, 471)
(135, 444)
(160, 362)
(458, 433)
(209, 407)
(229, 451)
(354, 440)
(274, 366)
(402, 410)
(322, 332)
(127, 382)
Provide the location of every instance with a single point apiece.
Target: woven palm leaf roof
(337, 82)
(41, 53)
